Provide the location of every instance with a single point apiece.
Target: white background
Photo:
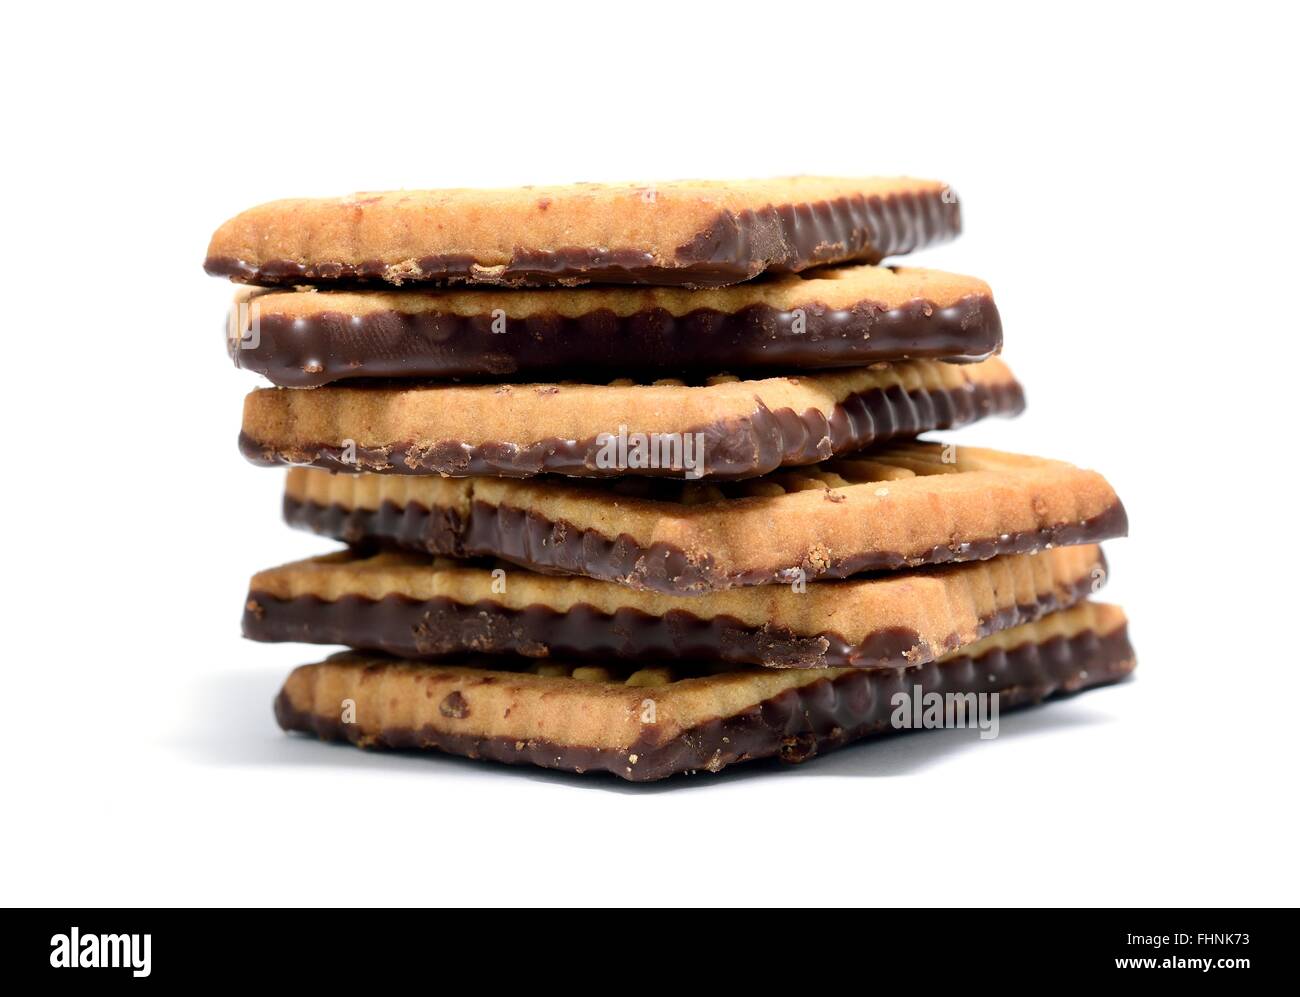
(1128, 181)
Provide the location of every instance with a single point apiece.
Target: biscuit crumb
(818, 559)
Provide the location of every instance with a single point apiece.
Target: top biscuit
(687, 233)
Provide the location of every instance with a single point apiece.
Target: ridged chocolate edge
(428, 628)
(312, 350)
(529, 539)
(732, 448)
(734, 248)
(793, 726)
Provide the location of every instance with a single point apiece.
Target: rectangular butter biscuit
(650, 723)
(409, 605)
(895, 507)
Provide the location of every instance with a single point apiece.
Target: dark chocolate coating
(732, 448)
(308, 351)
(736, 247)
(793, 726)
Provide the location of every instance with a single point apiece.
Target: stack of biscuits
(630, 479)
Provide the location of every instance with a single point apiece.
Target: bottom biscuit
(648, 723)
